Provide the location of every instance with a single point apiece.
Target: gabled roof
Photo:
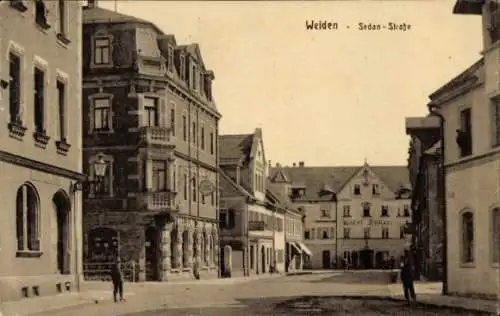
(280, 177)
(317, 178)
(235, 148)
(284, 200)
(194, 50)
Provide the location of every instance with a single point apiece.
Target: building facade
(252, 217)
(352, 213)
(424, 165)
(40, 158)
(471, 111)
(151, 114)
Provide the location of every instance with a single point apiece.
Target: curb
(386, 298)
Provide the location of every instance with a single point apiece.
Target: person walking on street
(407, 277)
(117, 279)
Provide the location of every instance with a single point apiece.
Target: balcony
(157, 202)
(256, 226)
(156, 136)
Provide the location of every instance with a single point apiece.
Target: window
(193, 198)
(159, 176)
(41, 14)
(231, 218)
(385, 211)
(201, 81)
(39, 101)
(325, 213)
(313, 233)
(347, 233)
(406, 210)
(324, 234)
(332, 232)
(172, 121)
(193, 135)
(61, 95)
(212, 143)
(347, 211)
(202, 138)
(101, 114)
(385, 233)
(151, 112)
(184, 128)
(366, 234)
(174, 180)
(467, 237)
(366, 209)
(402, 232)
(170, 58)
(61, 8)
(27, 219)
(357, 189)
(182, 67)
(185, 191)
(15, 88)
(375, 189)
(222, 219)
(102, 50)
(202, 198)
(495, 238)
(496, 123)
(194, 77)
(212, 198)
(464, 135)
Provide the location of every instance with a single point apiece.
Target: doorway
(379, 260)
(366, 258)
(152, 254)
(326, 259)
(263, 259)
(62, 208)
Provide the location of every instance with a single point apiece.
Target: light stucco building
(352, 213)
(40, 148)
(470, 107)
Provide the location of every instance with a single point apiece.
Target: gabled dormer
(258, 166)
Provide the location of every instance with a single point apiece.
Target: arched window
(467, 237)
(495, 237)
(27, 218)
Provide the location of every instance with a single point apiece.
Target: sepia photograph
(265, 157)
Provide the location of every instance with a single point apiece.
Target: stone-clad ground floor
(151, 248)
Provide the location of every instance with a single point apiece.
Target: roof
(462, 78)
(334, 178)
(92, 15)
(284, 200)
(468, 7)
(435, 149)
(229, 188)
(235, 147)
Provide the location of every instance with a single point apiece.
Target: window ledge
(28, 254)
(468, 265)
(19, 5)
(63, 38)
(62, 146)
(41, 139)
(17, 130)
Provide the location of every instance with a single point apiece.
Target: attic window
(170, 57)
(357, 189)
(375, 189)
(182, 68)
(41, 14)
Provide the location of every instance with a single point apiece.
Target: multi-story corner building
(150, 113)
(470, 107)
(353, 213)
(252, 217)
(427, 218)
(40, 147)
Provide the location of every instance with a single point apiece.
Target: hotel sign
(256, 225)
(368, 222)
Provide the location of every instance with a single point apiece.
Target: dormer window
(194, 77)
(170, 58)
(375, 189)
(102, 51)
(41, 14)
(357, 189)
(202, 86)
(182, 67)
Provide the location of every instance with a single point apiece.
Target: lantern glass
(100, 167)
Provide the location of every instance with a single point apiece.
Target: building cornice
(40, 166)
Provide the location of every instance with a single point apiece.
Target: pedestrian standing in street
(117, 279)
(407, 277)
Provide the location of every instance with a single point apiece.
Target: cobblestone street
(337, 293)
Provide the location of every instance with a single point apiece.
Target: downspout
(442, 198)
(336, 234)
(217, 195)
(247, 241)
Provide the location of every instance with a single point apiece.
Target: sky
(325, 97)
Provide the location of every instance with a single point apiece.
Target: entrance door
(379, 260)
(62, 209)
(326, 259)
(263, 259)
(152, 254)
(366, 257)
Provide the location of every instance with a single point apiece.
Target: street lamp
(99, 166)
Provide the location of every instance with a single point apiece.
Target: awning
(296, 247)
(304, 248)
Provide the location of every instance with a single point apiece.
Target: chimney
(301, 164)
(92, 3)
